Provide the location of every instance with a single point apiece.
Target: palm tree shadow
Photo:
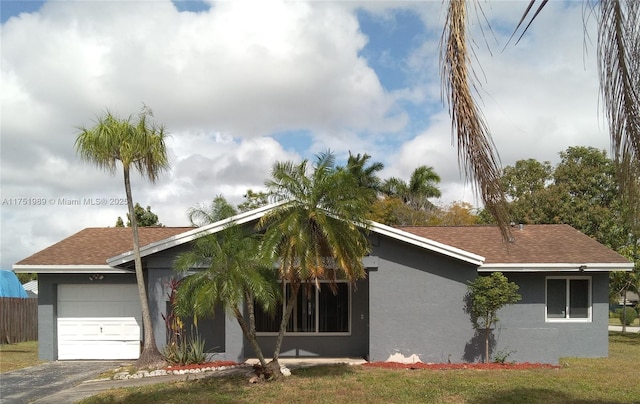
(316, 371)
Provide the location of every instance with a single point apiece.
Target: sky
(239, 85)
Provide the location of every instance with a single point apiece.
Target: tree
(581, 191)
(392, 211)
(585, 179)
(138, 145)
(253, 200)
(618, 50)
(219, 209)
(622, 282)
(421, 186)
(26, 277)
(234, 276)
(365, 176)
(526, 178)
(487, 295)
(144, 218)
(455, 214)
(317, 232)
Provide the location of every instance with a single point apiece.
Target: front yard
(612, 380)
(18, 356)
(616, 321)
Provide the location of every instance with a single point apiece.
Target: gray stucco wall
(523, 330)
(417, 305)
(47, 306)
(417, 308)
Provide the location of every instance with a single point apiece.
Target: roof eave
(255, 214)
(191, 235)
(68, 269)
(428, 244)
(557, 267)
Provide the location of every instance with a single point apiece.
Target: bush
(630, 315)
(185, 351)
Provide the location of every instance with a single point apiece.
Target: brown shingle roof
(92, 246)
(544, 244)
(548, 243)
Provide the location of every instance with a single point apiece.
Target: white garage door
(99, 322)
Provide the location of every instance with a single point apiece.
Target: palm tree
(318, 231)
(365, 176)
(421, 186)
(618, 56)
(141, 146)
(234, 276)
(219, 209)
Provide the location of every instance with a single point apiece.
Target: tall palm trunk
(150, 355)
(250, 333)
(295, 287)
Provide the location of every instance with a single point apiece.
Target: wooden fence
(18, 320)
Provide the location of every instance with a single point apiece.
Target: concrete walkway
(93, 387)
(619, 328)
(43, 381)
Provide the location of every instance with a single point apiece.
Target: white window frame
(568, 319)
(315, 333)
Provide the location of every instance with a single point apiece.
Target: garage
(98, 321)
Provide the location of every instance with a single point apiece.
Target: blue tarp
(10, 285)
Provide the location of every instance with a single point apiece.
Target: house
(411, 305)
(31, 288)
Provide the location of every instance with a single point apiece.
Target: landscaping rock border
(164, 372)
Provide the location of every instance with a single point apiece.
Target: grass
(18, 356)
(608, 380)
(616, 321)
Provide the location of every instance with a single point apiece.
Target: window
(315, 311)
(568, 299)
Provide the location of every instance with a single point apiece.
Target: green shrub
(502, 355)
(196, 350)
(185, 350)
(628, 317)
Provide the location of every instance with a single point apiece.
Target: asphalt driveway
(39, 382)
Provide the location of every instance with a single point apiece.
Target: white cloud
(224, 81)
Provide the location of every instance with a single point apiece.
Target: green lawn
(612, 380)
(616, 321)
(18, 356)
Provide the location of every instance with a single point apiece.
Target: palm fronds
(476, 152)
(619, 69)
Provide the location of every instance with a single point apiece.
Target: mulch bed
(457, 366)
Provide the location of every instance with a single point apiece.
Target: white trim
(427, 244)
(63, 269)
(566, 319)
(191, 235)
(559, 267)
(246, 217)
